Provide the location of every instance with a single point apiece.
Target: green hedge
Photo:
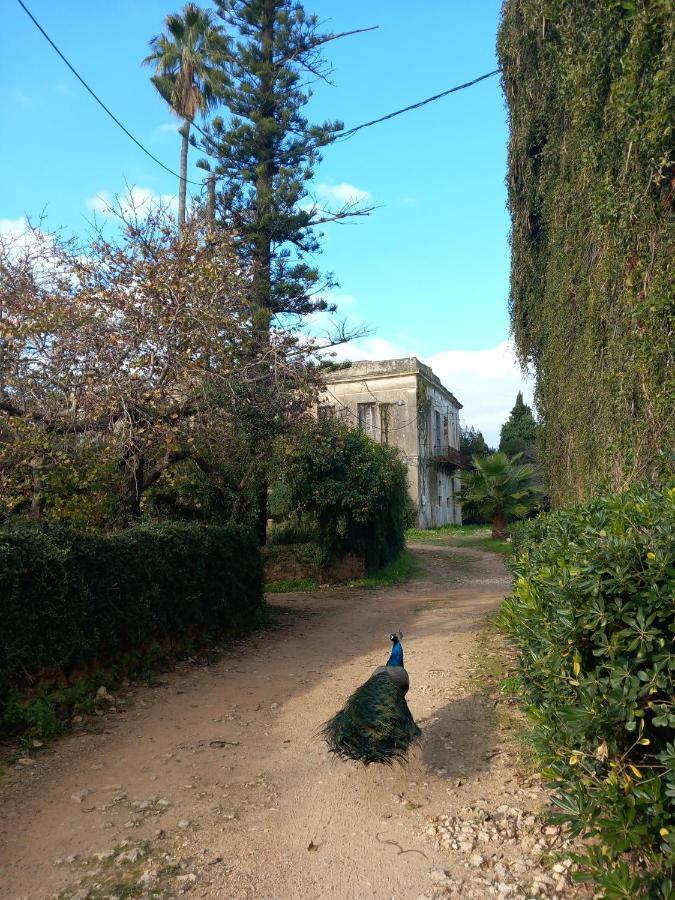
(69, 599)
(593, 616)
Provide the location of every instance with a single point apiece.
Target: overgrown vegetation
(593, 618)
(74, 603)
(347, 490)
(590, 88)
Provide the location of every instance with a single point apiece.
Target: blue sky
(427, 271)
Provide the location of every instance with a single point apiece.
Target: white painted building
(402, 403)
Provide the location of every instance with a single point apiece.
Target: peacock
(375, 724)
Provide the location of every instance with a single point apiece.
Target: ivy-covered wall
(590, 89)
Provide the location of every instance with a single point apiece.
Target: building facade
(400, 402)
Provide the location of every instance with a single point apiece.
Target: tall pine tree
(265, 153)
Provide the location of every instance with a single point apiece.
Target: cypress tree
(519, 432)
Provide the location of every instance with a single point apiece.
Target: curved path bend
(211, 781)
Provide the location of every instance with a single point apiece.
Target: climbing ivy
(590, 88)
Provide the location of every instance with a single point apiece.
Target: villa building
(400, 402)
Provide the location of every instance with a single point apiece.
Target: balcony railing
(448, 456)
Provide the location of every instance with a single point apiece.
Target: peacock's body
(375, 724)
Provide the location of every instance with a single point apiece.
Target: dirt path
(213, 783)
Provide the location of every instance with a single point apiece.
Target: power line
(399, 112)
(344, 135)
(98, 99)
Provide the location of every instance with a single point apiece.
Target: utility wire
(98, 99)
(399, 112)
(344, 135)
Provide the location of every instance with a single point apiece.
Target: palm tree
(188, 73)
(500, 488)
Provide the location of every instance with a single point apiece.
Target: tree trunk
(499, 530)
(262, 272)
(211, 200)
(135, 464)
(182, 189)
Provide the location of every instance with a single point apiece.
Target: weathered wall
(397, 389)
(412, 395)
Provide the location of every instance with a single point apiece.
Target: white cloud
(14, 227)
(136, 198)
(342, 193)
(484, 381)
(169, 127)
(340, 300)
(19, 237)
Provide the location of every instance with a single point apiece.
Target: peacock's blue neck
(396, 658)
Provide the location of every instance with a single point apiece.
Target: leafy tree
(350, 489)
(519, 432)
(128, 357)
(501, 489)
(189, 76)
(471, 442)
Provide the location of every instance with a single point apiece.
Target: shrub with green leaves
(70, 600)
(351, 490)
(593, 616)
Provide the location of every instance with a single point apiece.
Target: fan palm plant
(189, 74)
(500, 488)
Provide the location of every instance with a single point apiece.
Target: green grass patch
(286, 587)
(477, 537)
(402, 568)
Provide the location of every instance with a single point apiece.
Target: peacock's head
(396, 637)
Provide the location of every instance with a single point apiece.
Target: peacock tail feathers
(375, 724)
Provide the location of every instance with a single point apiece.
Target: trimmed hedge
(69, 600)
(593, 616)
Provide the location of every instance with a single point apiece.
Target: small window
(326, 411)
(440, 500)
(366, 415)
(445, 432)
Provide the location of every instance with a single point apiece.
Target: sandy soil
(212, 782)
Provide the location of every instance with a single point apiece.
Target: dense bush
(351, 489)
(589, 88)
(593, 616)
(71, 599)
